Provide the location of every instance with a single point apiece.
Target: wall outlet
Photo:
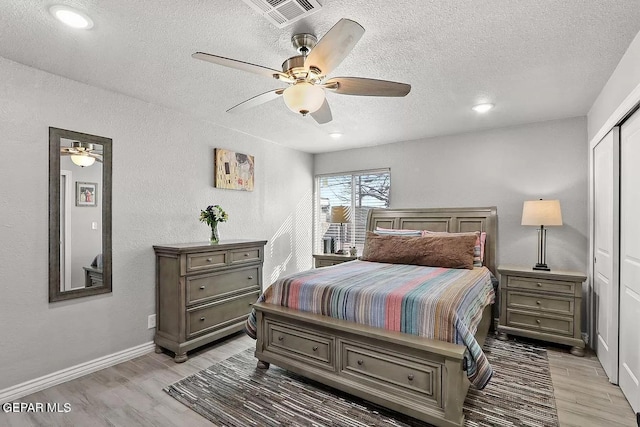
(151, 321)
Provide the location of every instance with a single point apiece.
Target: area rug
(235, 393)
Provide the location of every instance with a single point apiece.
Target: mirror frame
(55, 294)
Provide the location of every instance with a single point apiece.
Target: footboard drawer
(391, 372)
(300, 344)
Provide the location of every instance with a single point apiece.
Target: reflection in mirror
(80, 214)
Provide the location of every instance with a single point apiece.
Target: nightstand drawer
(543, 285)
(549, 304)
(534, 322)
(326, 263)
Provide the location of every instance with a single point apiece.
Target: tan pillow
(437, 250)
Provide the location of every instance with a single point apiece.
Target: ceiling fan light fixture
(303, 98)
(482, 108)
(71, 17)
(82, 160)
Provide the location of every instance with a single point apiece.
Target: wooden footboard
(416, 376)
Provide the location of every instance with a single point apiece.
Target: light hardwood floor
(130, 394)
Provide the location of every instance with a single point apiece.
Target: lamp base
(542, 267)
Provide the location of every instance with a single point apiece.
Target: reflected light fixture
(82, 160)
(71, 17)
(541, 213)
(335, 135)
(482, 108)
(303, 98)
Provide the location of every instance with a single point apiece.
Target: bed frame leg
(263, 365)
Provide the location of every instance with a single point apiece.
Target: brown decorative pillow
(437, 250)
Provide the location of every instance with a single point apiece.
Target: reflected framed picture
(86, 193)
(233, 171)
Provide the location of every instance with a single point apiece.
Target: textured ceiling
(536, 60)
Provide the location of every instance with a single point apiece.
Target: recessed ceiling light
(71, 17)
(482, 108)
(335, 135)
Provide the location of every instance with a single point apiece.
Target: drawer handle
(539, 284)
(246, 254)
(280, 338)
(202, 287)
(209, 259)
(538, 321)
(202, 319)
(410, 377)
(250, 277)
(315, 348)
(538, 302)
(360, 362)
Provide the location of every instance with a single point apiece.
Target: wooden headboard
(452, 220)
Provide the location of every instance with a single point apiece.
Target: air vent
(284, 12)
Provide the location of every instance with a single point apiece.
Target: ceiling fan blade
(334, 46)
(323, 115)
(366, 87)
(239, 65)
(256, 100)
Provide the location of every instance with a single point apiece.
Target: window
(359, 192)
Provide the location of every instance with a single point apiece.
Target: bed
(423, 378)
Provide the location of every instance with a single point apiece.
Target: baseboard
(68, 374)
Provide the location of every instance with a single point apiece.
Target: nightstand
(325, 260)
(544, 305)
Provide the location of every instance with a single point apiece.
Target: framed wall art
(233, 171)
(86, 193)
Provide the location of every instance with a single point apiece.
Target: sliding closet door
(605, 250)
(630, 260)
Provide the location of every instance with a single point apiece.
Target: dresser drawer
(206, 261)
(540, 323)
(543, 285)
(388, 372)
(245, 255)
(219, 314)
(531, 301)
(301, 344)
(205, 286)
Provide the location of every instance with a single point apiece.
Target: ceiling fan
(82, 153)
(306, 73)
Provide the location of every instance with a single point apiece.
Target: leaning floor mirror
(79, 214)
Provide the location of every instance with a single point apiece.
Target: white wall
(501, 167)
(624, 80)
(162, 177)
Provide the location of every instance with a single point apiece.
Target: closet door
(630, 260)
(605, 250)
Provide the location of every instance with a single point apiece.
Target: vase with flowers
(212, 215)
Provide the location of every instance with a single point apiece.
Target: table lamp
(341, 215)
(542, 213)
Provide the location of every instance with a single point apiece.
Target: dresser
(544, 305)
(204, 291)
(325, 260)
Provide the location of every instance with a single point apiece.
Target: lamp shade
(541, 212)
(82, 160)
(340, 214)
(303, 98)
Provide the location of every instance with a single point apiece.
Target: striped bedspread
(438, 303)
